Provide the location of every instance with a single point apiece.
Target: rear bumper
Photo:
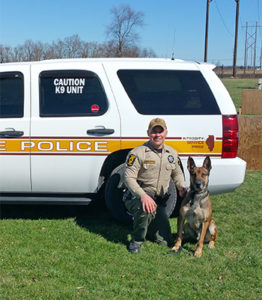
(225, 176)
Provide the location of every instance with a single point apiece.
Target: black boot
(134, 247)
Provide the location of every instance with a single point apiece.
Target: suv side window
(11, 95)
(69, 93)
(169, 92)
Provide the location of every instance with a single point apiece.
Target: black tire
(171, 202)
(114, 199)
(114, 202)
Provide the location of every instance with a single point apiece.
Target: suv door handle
(11, 133)
(100, 130)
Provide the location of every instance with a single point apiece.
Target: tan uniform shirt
(149, 171)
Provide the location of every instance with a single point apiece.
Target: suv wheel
(114, 198)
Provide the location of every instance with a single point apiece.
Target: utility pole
(246, 48)
(255, 50)
(236, 34)
(206, 36)
(251, 45)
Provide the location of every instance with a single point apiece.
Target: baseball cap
(157, 122)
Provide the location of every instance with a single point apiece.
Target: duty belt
(161, 200)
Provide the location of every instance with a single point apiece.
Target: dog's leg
(198, 251)
(214, 232)
(190, 234)
(180, 223)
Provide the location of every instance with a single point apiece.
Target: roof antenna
(173, 52)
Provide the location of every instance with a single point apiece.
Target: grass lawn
(80, 253)
(234, 87)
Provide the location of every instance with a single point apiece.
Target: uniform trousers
(155, 226)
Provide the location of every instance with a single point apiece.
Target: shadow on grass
(93, 217)
(100, 221)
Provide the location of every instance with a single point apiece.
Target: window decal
(71, 93)
(95, 108)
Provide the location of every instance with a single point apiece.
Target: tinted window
(11, 95)
(71, 93)
(165, 92)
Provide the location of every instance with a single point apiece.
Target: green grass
(80, 253)
(235, 86)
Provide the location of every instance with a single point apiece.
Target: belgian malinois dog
(196, 208)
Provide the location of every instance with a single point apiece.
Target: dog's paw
(176, 250)
(211, 245)
(198, 253)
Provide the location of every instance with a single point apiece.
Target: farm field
(235, 86)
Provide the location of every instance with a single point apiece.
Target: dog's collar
(195, 195)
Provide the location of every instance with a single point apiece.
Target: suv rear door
(178, 93)
(75, 125)
(14, 128)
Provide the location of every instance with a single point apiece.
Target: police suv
(66, 126)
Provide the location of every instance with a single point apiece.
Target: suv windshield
(169, 92)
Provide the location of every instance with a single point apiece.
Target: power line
(258, 11)
(222, 19)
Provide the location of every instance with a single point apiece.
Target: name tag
(151, 162)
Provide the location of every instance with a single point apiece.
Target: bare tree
(122, 30)
(58, 49)
(28, 50)
(18, 53)
(72, 46)
(85, 49)
(39, 51)
(6, 54)
(148, 52)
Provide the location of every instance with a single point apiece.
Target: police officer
(149, 168)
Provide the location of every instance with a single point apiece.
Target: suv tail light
(230, 136)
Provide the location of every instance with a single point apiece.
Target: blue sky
(169, 24)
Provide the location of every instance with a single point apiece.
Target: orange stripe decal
(102, 146)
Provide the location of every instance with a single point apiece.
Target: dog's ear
(207, 163)
(190, 164)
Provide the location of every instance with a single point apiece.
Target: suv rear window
(169, 92)
(11, 95)
(71, 93)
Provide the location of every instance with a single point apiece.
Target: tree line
(122, 42)
(69, 47)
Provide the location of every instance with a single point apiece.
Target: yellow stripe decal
(99, 146)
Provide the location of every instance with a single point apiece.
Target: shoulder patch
(171, 158)
(131, 159)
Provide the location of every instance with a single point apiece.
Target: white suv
(66, 126)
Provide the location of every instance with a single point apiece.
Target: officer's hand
(182, 191)
(148, 204)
